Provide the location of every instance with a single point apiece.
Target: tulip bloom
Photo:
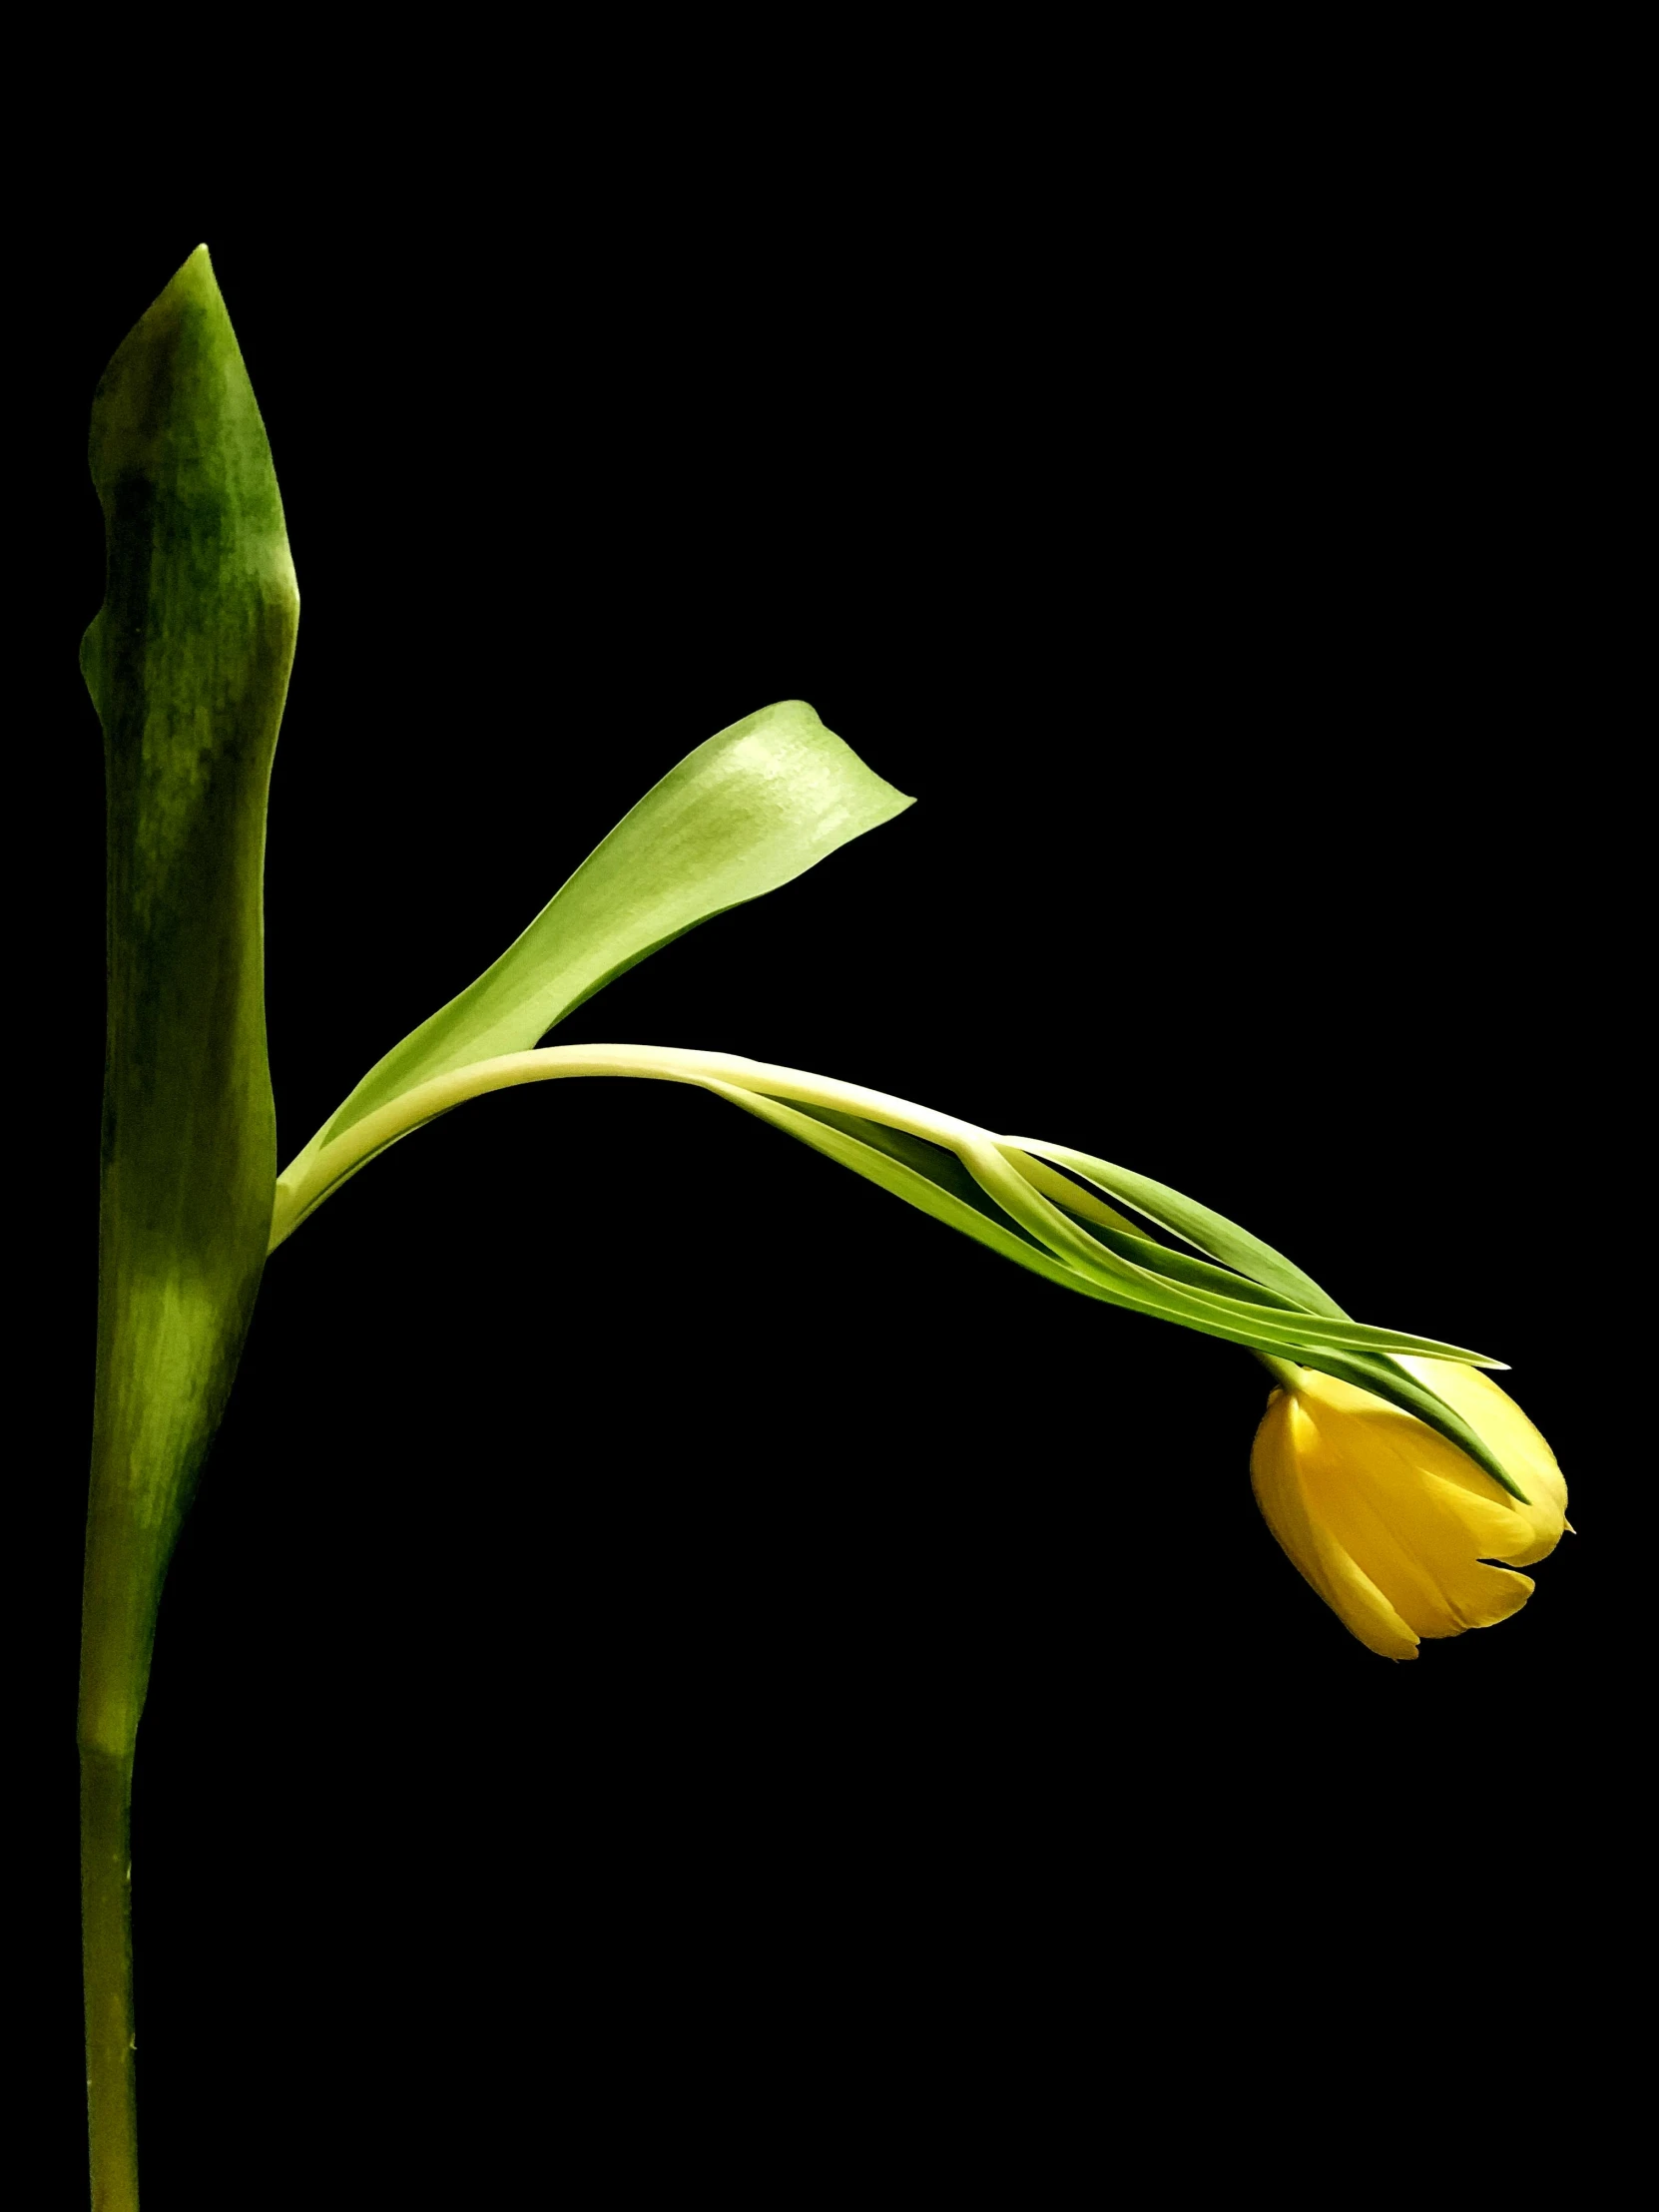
(1396, 1528)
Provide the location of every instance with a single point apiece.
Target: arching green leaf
(753, 806)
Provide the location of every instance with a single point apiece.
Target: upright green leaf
(188, 664)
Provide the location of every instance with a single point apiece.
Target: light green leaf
(188, 664)
(753, 806)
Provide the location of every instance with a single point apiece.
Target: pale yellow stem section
(307, 1179)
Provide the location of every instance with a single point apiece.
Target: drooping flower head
(1400, 1532)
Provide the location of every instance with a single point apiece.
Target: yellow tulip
(1394, 1526)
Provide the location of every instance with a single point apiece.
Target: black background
(667, 1633)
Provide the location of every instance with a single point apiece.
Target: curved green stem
(997, 1165)
(309, 1178)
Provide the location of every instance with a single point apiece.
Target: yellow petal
(1389, 1492)
(1500, 1423)
(1276, 1475)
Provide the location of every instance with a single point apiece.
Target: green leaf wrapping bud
(188, 664)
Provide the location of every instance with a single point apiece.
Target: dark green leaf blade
(1020, 1233)
(1197, 1224)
